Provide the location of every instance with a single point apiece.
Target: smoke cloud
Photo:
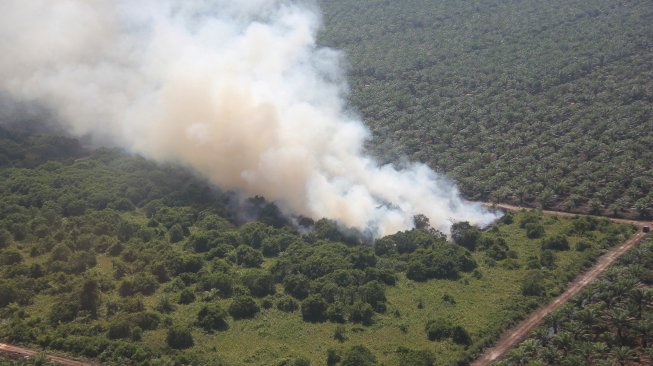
(236, 89)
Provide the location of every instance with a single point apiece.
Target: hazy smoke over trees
(237, 90)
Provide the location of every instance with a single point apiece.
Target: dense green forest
(112, 257)
(609, 323)
(545, 103)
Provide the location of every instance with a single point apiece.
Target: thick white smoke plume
(235, 89)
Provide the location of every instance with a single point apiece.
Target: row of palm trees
(609, 323)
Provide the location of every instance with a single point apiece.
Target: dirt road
(561, 213)
(24, 353)
(515, 335)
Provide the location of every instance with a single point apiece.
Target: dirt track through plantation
(515, 335)
(25, 354)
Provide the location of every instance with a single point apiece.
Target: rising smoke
(236, 89)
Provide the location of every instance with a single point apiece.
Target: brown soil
(25, 354)
(515, 335)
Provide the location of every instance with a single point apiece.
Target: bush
(358, 356)
(333, 357)
(384, 246)
(300, 361)
(460, 336)
(582, 245)
(314, 308)
(187, 296)
(259, 282)
(339, 333)
(5, 238)
(547, 259)
(10, 257)
(175, 234)
(532, 284)
(287, 304)
(119, 329)
(438, 329)
(222, 282)
(297, 285)
(415, 358)
(465, 234)
(248, 256)
(146, 320)
(361, 313)
(243, 307)
(534, 231)
(179, 338)
(558, 242)
(212, 317)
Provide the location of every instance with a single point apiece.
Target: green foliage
(358, 356)
(465, 234)
(248, 256)
(287, 304)
(243, 307)
(438, 329)
(558, 242)
(179, 338)
(610, 321)
(212, 317)
(534, 231)
(175, 233)
(187, 296)
(549, 132)
(5, 238)
(314, 308)
(415, 358)
(532, 284)
(64, 293)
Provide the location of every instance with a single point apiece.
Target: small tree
(314, 308)
(534, 231)
(465, 234)
(187, 296)
(287, 304)
(89, 297)
(532, 284)
(175, 233)
(460, 336)
(212, 317)
(243, 307)
(179, 338)
(438, 329)
(358, 356)
(5, 238)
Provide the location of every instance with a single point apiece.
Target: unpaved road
(515, 335)
(23, 353)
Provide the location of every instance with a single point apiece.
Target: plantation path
(24, 353)
(515, 335)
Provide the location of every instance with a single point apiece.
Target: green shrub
(314, 308)
(358, 356)
(534, 231)
(287, 304)
(179, 338)
(438, 329)
(187, 296)
(243, 307)
(212, 317)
